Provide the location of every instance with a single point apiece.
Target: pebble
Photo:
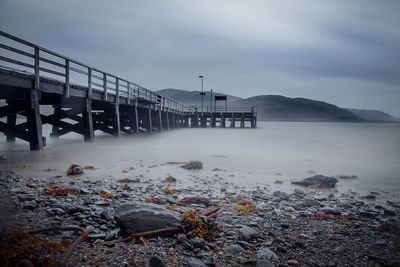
(195, 262)
(233, 249)
(156, 261)
(266, 253)
(247, 233)
(293, 263)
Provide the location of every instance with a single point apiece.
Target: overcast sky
(343, 52)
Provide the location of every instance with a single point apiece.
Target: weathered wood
(168, 124)
(160, 120)
(88, 131)
(36, 141)
(115, 120)
(149, 121)
(136, 129)
(67, 78)
(55, 129)
(11, 123)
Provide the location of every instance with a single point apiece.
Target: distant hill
(281, 108)
(372, 115)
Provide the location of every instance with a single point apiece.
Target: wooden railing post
(37, 78)
(105, 86)
(89, 95)
(66, 92)
(129, 92)
(117, 88)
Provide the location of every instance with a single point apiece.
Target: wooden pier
(85, 99)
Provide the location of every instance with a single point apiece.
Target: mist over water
(250, 157)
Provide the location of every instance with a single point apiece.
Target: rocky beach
(191, 220)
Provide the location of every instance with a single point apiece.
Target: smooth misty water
(250, 157)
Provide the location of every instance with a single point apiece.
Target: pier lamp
(202, 92)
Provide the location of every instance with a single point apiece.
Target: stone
(247, 233)
(285, 225)
(367, 214)
(293, 263)
(105, 215)
(289, 209)
(169, 179)
(330, 210)
(110, 236)
(389, 212)
(129, 180)
(193, 165)
(369, 196)
(85, 191)
(138, 217)
(317, 181)
(195, 262)
(156, 261)
(97, 236)
(243, 244)
(3, 157)
(75, 169)
(266, 253)
(233, 249)
(197, 242)
(264, 263)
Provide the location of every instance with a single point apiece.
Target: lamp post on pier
(202, 92)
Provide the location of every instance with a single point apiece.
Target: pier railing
(41, 62)
(193, 109)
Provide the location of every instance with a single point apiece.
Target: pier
(85, 99)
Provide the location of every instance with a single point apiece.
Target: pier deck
(85, 99)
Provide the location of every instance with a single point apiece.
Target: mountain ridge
(282, 108)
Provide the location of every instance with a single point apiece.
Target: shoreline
(303, 228)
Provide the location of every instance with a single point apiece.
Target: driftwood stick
(68, 253)
(57, 228)
(211, 212)
(170, 230)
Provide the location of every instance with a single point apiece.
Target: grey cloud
(344, 52)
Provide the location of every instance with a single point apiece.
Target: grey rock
(247, 233)
(317, 181)
(293, 263)
(195, 262)
(102, 203)
(85, 191)
(110, 236)
(29, 206)
(330, 210)
(243, 244)
(193, 165)
(389, 212)
(97, 236)
(141, 217)
(266, 253)
(105, 215)
(368, 214)
(129, 180)
(197, 242)
(285, 225)
(233, 249)
(156, 261)
(264, 263)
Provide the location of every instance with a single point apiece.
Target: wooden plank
(34, 122)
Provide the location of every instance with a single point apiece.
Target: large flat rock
(139, 217)
(317, 181)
